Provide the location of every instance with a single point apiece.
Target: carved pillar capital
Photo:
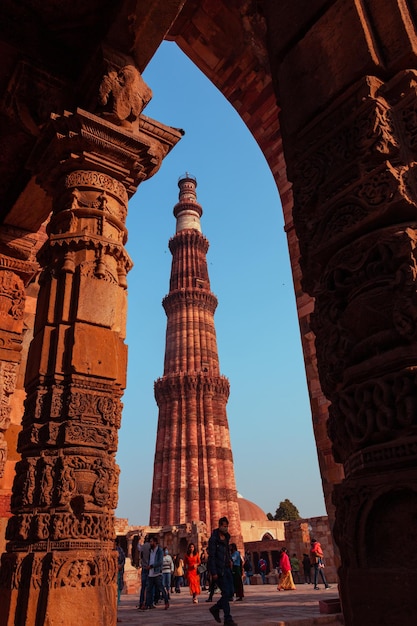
(85, 141)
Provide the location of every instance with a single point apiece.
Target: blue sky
(256, 321)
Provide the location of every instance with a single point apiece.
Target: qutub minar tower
(193, 471)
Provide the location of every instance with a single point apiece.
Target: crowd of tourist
(220, 568)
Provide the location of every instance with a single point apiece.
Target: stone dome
(249, 511)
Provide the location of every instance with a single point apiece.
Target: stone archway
(233, 55)
(343, 74)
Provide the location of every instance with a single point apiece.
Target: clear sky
(256, 321)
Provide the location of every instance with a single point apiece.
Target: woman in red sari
(285, 579)
(191, 562)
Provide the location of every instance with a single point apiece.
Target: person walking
(203, 570)
(144, 550)
(247, 566)
(191, 562)
(236, 571)
(285, 577)
(219, 565)
(262, 569)
(178, 573)
(121, 559)
(167, 571)
(316, 554)
(156, 558)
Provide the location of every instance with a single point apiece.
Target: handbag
(202, 568)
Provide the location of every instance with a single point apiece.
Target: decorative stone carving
(180, 385)
(12, 296)
(358, 240)
(124, 95)
(86, 570)
(8, 375)
(3, 454)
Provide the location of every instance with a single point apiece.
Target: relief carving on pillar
(350, 176)
(355, 206)
(87, 570)
(90, 571)
(61, 526)
(58, 480)
(85, 435)
(368, 133)
(123, 95)
(92, 210)
(375, 274)
(8, 377)
(359, 274)
(55, 434)
(373, 412)
(98, 269)
(3, 454)
(371, 511)
(95, 180)
(104, 409)
(402, 92)
(11, 570)
(83, 185)
(12, 298)
(87, 405)
(354, 174)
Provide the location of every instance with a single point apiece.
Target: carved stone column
(60, 565)
(12, 304)
(349, 126)
(355, 213)
(17, 268)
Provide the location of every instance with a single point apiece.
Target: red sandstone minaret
(193, 471)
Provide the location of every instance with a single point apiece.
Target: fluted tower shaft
(193, 470)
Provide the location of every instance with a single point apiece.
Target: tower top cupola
(188, 211)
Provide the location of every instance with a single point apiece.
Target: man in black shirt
(219, 565)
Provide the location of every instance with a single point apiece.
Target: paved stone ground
(263, 605)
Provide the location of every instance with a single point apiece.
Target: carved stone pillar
(60, 565)
(12, 304)
(17, 268)
(355, 213)
(349, 126)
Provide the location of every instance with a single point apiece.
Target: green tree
(286, 511)
(270, 516)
